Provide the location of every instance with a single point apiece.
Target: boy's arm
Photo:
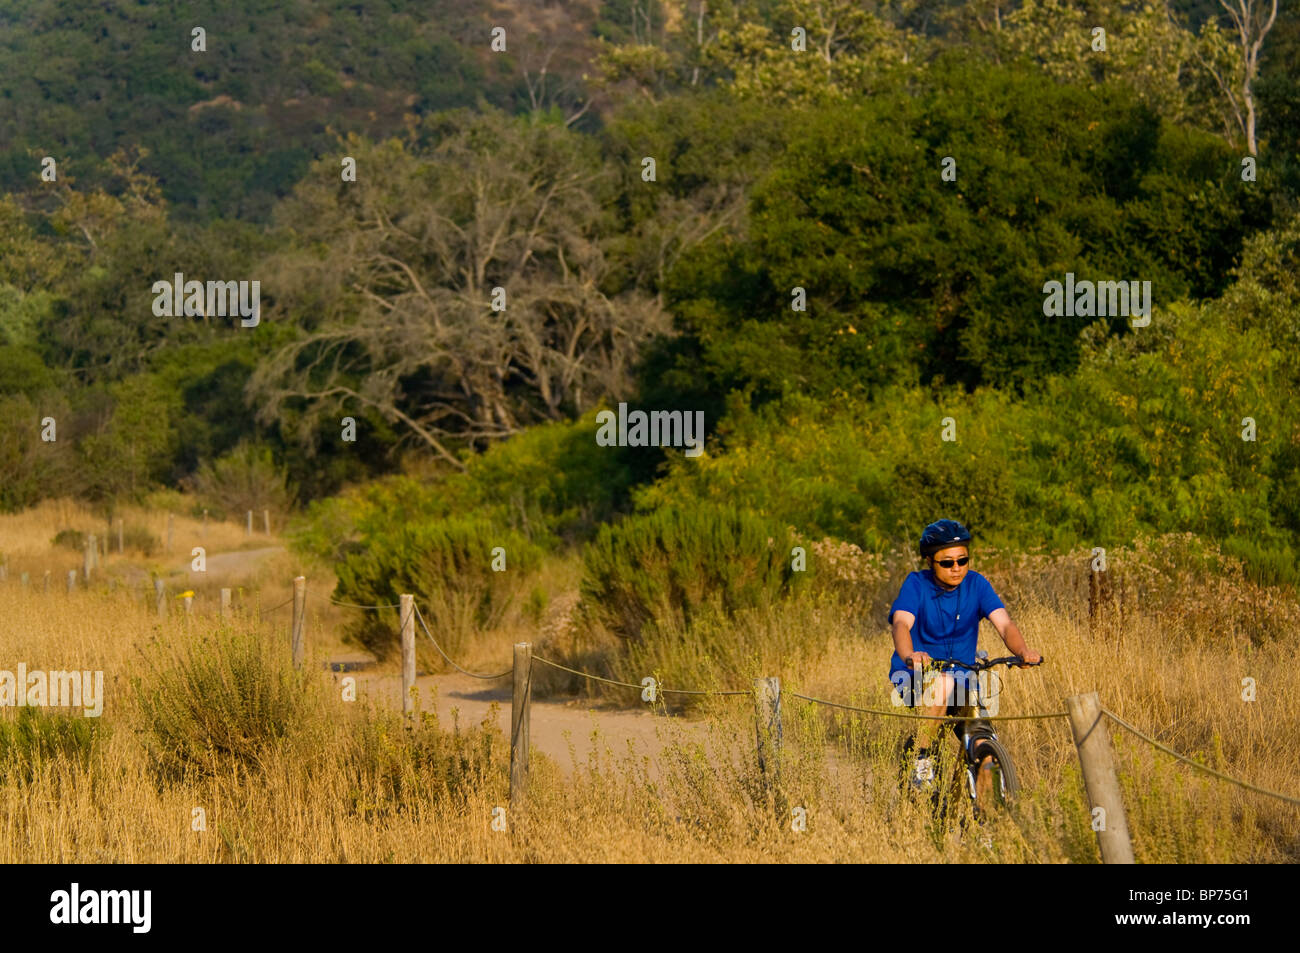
(1012, 636)
(902, 631)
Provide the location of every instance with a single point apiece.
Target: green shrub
(447, 565)
(244, 479)
(73, 539)
(1265, 565)
(139, 538)
(675, 564)
(1146, 436)
(224, 699)
(398, 767)
(31, 469)
(552, 483)
(330, 528)
(35, 735)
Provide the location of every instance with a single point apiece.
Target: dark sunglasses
(947, 563)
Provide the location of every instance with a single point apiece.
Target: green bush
(399, 767)
(676, 564)
(139, 538)
(330, 528)
(30, 469)
(1145, 437)
(35, 735)
(1265, 565)
(224, 699)
(246, 478)
(917, 278)
(447, 564)
(552, 483)
(73, 539)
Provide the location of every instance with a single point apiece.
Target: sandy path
(240, 561)
(561, 730)
(568, 732)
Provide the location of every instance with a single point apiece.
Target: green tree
(134, 449)
(910, 276)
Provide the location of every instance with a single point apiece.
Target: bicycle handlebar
(981, 664)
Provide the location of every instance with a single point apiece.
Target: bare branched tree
(397, 274)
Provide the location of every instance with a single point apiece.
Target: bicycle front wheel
(1005, 784)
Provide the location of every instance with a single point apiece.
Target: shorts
(904, 681)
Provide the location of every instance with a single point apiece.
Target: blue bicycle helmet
(941, 534)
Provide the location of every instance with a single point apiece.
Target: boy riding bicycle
(937, 614)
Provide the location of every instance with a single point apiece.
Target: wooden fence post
(120, 522)
(406, 611)
(72, 580)
(266, 521)
(1099, 779)
(299, 611)
(171, 522)
(767, 722)
(189, 605)
(160, 596)
(25, 579)
(249, 529)
(225, 603)
(88, 558)
(520, 705)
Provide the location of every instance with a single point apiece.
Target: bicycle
(979, 740)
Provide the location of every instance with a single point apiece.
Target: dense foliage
(439, 333)
(681, 563)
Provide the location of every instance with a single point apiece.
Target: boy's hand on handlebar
(1031, 657)
(917, 658)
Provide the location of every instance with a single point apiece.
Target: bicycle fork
(973, 730)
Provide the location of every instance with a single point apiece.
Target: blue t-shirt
(947, 621)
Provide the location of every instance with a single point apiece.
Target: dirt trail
(562, 731)
(235, 563)
(239, 562)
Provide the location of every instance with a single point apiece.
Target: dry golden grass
(348, 783)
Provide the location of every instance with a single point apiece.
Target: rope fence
(904, 714)
(1195, 764)
(660, 689)
(465, 671)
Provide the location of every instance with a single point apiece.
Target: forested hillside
(846, 233)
